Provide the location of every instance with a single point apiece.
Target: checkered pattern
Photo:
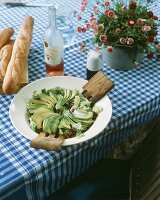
(35, 174)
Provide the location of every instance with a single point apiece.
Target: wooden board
(25, 80)
(97, 87)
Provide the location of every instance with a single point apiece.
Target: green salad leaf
(61, 111)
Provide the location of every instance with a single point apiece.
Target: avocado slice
(50, 124)
(46, 98)
(39, 102)
(79, 114)
(64, 123)
(40, 114)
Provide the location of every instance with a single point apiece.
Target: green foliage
(130, 21)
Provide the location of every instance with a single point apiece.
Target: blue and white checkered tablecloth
(27, 173)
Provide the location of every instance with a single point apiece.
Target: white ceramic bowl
(18, 105)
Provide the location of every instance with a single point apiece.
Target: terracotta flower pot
(120, 58)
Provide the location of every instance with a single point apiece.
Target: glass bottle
(94, 63)
(53, 47)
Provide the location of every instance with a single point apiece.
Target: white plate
(18, 107)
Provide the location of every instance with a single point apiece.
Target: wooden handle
(97, 87)
(49, 143)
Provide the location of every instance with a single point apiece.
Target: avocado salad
(61, 111)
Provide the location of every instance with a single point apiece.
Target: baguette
(5, 35)
(1, 77)
(16, 66)
(5, 56)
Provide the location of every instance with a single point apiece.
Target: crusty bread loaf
(5, 35)
(5, 56)
(19, 57)
(1, 78)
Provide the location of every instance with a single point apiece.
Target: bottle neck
(52, 17)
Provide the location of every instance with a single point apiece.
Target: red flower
(146, 28)
(122, 40)
(95, 31)
(92, 19)
(93, 24)
(109, 49)
(84, 30)
(84, 3)
(97, 48)
(131, 22)
(88, 25)
(79, 18)
(117, 31)
(151, 39)
(106, 12)
(124, 8)
(155, 17)
(150, 55)
(96, 9)
(150, 14)
(79, 29)
(105, 42)
(106, 3)
(140, 21)
(102, 37)
(130, 41)
(83, 8)
(111, 13)
(100, 27)
(132, 5)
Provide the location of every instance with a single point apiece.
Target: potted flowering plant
(121, 29)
